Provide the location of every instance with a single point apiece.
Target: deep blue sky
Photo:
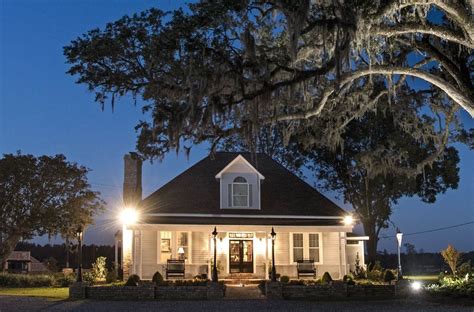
(42, 111)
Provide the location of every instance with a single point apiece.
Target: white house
(244, 196)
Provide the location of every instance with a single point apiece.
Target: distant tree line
(414, 263)
(55, 255)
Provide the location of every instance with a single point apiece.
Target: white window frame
(248, 193)
(190, 250)
(306, 246)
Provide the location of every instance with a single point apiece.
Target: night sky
(42, 111)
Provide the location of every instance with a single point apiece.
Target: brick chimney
(132, 180)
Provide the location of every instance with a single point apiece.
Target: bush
(190, 283)
(464, 269)
(65, 280)
(374, 275)
(388, 276)
(326, 278)
(99, 269)
(132, 280)
(89, 277)
(157, 278)
(111, 277)
(284, 279)
(347, 278)
(23, 280)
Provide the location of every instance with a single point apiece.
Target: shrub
(132, 280)
(347, 278)
(89, 277)
(284, 279)
(359, 271)
(464, 269)
(374, 275)
(22, 280)
(111, 277)
(201, 277)
(326, 278)
(157, 278)
(99, 269)
(65, 280)
(388, 276)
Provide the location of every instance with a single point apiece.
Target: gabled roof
(197, 191)
(237, 159)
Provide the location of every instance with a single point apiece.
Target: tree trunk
(6, 248)
(370, 231)
(67, 252)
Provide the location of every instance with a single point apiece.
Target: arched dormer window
(240, 192)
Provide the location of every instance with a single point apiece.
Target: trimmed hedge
(24, 280)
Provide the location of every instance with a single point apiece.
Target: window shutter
(229, 192)
(250, 196)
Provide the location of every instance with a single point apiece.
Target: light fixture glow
(348, 220)
(129, 216)
(416, 285)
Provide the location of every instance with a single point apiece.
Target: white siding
(282, 249)
(200, 247)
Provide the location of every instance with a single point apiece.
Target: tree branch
(411, 28)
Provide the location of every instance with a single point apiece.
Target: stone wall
(336, 291)
(147, 292)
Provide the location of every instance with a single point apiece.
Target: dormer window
(240, 192)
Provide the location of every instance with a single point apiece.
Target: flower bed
(452, 288)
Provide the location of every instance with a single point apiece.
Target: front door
(241, 256)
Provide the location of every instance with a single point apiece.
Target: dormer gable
(239, 185)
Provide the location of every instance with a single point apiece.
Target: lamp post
(399, 240)
(214, 266)
(273, 275)
(79, 234)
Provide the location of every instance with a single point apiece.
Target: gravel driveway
(11, 303)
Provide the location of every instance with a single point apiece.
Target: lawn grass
(50, 293)
(421, 277)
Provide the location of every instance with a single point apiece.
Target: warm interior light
(348, 220)
(129, 216)
(416, 285)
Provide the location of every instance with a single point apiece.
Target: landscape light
(416, 285)
(129, 216)
(348, 220)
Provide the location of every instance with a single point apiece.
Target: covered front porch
(243, 251)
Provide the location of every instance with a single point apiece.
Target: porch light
(129, 216)
(348, 220)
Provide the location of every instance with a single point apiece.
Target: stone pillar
(78, 290)
(273, 290)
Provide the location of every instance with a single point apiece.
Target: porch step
(241, 281)
(247, 292)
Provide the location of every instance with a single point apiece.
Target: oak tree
(42, 195)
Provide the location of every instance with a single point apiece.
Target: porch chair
(306, 268)
(175, 268)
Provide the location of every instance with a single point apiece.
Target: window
(165, 246)
(306, 246)
(183, 242)
(240, 192)
(297, 247)
(314, 247)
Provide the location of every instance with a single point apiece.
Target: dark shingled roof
(196, 190)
